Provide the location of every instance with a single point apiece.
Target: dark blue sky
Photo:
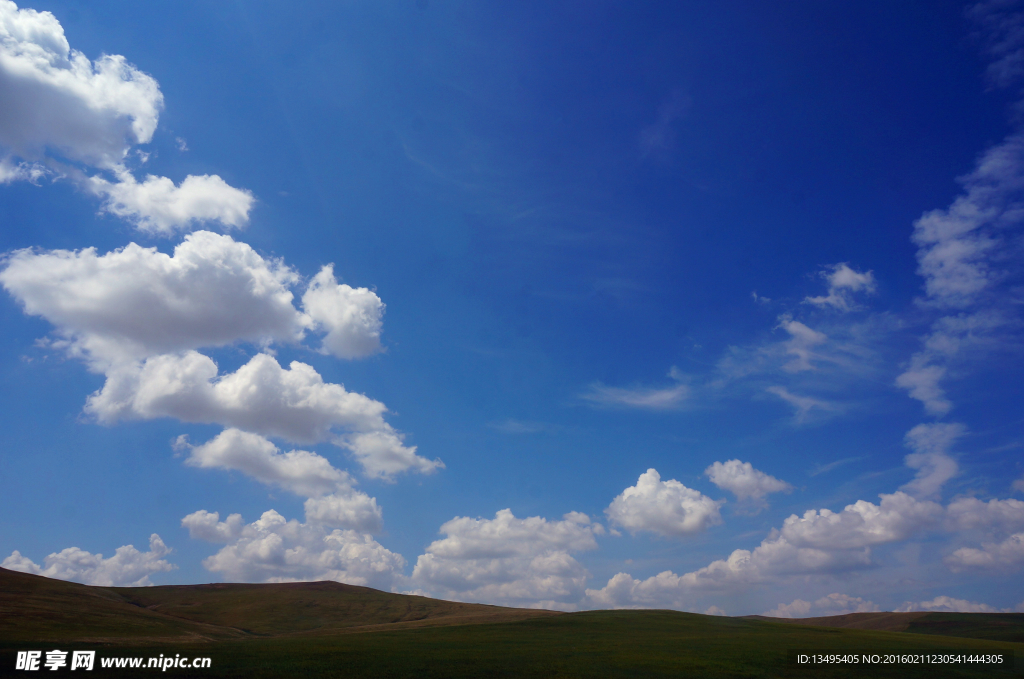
(610, 238)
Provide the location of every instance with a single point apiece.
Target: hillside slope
(33, 607)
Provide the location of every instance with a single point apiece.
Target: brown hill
(995, 626)
(38, 608)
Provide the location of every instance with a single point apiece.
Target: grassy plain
(330, 630)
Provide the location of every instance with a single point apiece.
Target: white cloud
(1005, 555)
(945, 604)
(1018, 485)
(11, 171)
(842, 282)
(59, 106)
(833, 604)
(801, 404)
(509, 561)
(802, 339)
(352, 317)
(921, 380)
(960, 258)
(127, 568)
(667, 508)
(383, 454)
(204, 525)
(819, 542)
(138, 315)
(668, 398)
(797, 609)
(159, 207)
(345, 509)
(714, 610)
(136, 302)
(971, 514)
(299, 471)
(275, 550)
(743, 481)
(931, 444)
(862, 524)
(260, 397)
(954, 244)
(56, 99)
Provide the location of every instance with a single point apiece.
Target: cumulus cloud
(260, 397)
(931, 459)
(842, 283)
(509, 561)
(1005, 555)
(159, 207)
(667, 508)
(59, 106)
(293, 403)
(833, 604)
(127, 568)
(345, 509)
(211, 291)
(745, 482)
(971, 514)
(797, 609)
(351, 316)
(138, 315)
(56, 98)
(136, 302)
(819, 542)
(273, 549)
(946, 604)
(299, 471)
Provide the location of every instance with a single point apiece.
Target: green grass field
(330, 630)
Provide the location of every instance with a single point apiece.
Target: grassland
(331, 630)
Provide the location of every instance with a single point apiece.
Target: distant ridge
(994, 626)
(33, 607)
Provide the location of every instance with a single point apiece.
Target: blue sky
(709, 306)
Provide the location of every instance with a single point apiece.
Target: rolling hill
(327, 629)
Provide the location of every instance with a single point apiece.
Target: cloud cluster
(1007, 555)
(299, 471)
(666, 508)
(958, 258)
(136, 302)
(833, 604)
(62, 112)
(931, 459)
(745, 482)
(509, 561)
(842, 283)
(138, 316)
(157, 206)
(946, 604)
(127, 568)
(819, 542)
(273, 549)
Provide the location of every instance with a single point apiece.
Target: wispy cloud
(801, 404)
(512, 426)
(825, 468)
(644, 398)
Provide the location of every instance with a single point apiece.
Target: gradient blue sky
(610, 238)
